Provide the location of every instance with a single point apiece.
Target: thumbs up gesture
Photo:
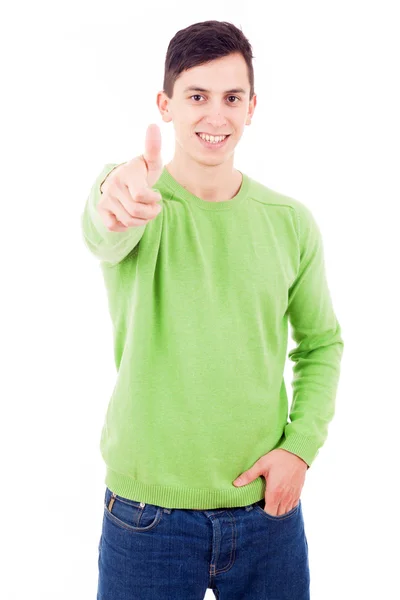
(127, 198)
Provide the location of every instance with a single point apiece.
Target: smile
(211, 144)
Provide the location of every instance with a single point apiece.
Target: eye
(200, 96)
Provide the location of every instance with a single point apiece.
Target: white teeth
(211, 138)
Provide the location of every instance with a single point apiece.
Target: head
(208, 88)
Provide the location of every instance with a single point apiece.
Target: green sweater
(200, 299)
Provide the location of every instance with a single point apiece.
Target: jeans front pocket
(291, 513)
(129, 514)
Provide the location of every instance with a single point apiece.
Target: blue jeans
(148, 552)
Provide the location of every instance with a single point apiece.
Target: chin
(211, 161)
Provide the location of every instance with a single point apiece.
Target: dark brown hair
(201, 43)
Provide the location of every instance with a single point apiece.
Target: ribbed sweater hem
(191, 498)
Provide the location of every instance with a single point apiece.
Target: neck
(213, 183)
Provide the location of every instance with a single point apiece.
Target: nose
(215, 118)
(215, 125)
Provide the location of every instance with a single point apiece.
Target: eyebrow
(199, 89)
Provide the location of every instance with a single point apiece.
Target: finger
(144, 205)
(146, 168)
(138, 215)
(119, 227)
(133, 191)
(282, 509)
(147, 196)
(129, 195)
(287, 507)
(152, 151)
(113, 224)
(271, 506)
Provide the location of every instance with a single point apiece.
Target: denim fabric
(148, 552)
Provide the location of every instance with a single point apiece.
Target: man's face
(223, 109)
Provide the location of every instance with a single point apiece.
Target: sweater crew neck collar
(167, 179)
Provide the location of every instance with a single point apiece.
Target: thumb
(152, 154)
(247, 476)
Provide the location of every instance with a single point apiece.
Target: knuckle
(116, 180)
(138, 195)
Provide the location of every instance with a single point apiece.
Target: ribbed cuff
(302, 446)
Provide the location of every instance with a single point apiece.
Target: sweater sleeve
(108, 246)
(318, 353)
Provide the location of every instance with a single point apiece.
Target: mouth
(213, 145)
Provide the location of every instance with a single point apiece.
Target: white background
(79, 89)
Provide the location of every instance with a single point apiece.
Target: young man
(204, 268)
